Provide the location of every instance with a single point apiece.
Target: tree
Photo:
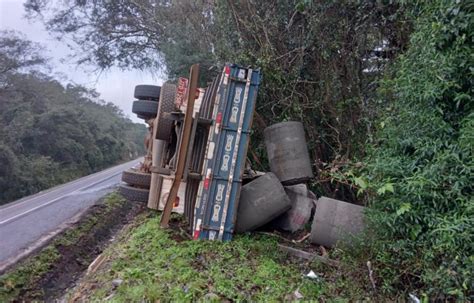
(321, 61)
(313, 56)
(51, 133)
(156, 35)
(16, 53)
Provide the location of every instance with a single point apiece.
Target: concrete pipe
(261, 201)
(287, 152)
(301, 209)
(335, 220)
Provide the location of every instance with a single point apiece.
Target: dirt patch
(179, 229)
(76, 258)
(74, 250)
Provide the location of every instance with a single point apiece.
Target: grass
(155, 265)
(21, 279)
(24, 282)
(161, 265)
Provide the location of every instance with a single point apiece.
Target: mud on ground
(55, 268)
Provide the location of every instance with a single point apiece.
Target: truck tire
(143, 117)
(145, 109)
(166, 105)
(134, 194)
(136, 178)
(147, 92)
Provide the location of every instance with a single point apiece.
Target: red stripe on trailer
(196, 234)
(227, 70)
(206, 183)
(219, 118)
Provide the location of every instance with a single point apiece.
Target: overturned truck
(196, 158)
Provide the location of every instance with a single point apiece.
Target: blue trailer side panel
(220, 192)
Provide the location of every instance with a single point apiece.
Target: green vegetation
(422, 163)
(312, 54)
(156, 264)
(51, 133)
(27, 281)
(384, 89)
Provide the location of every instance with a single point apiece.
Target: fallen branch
(371, 277)
(302, 238)
(306, 255)
(98, 261)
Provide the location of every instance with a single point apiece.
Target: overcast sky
(114, 86)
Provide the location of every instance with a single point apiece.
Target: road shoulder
(64, 255)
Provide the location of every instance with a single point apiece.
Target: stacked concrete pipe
(265, 199)
(283, 196)
(288, 152)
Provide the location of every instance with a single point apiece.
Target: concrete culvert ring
(166, 105)
(134, 194)
(136, 178)
(145, 109)
(287, 151)
(147, 92)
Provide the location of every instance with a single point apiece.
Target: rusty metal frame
(183, 148)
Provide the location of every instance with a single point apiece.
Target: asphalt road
(25, 222)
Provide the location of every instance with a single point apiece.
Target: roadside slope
(46, 275)
(150, 264)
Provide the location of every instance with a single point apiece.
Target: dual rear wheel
(152, 101)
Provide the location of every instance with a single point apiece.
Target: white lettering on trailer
(233, 117)
(220, 192)
(215, 214)
(241, 73)
(228, 145)
(225, 163)
(210, 154)
(217, 206)
(212, 235)
(238, 93)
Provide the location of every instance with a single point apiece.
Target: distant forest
(51, 133)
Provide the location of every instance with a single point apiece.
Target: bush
(315, 57)
(422, 164)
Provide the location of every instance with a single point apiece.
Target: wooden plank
(181, 160)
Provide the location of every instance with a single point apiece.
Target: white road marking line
(44, 194)
(54, 200)
(62, 187)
